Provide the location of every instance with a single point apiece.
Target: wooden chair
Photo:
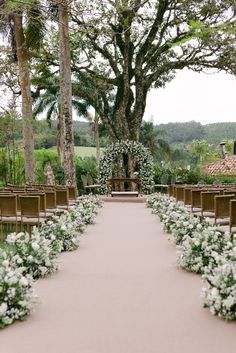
(51, 205)
(179, 193)
(222, 209)
(232, 216)
(171, 190)
(208, 203)
(43, 212)
(72, 195)
(30, 211)
(187, 196)
(8, 211)
(230, 192)
(196, 200)
(62, 198)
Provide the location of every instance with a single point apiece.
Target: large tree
(126, 47)
(65, 115)
(13, 16)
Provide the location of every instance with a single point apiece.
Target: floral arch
(141, 155)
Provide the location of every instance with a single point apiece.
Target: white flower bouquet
(202, 249)
(32, 252)
(16, 295)
(219, 291)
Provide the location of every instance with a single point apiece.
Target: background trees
(15, 16)
(108, 55)
(127, 47)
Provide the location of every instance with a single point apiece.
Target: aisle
(120, 293)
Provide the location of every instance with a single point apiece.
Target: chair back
(72, 192)
(222, 203)
(180, 193)
(196, 198)
(170, 190)
(8, 205)
(187, 196)
(42, 199)
(50, 199)
(29, 205)
(232, 214)
(208, 200)
(62, 197)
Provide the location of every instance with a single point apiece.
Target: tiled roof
(226, 166)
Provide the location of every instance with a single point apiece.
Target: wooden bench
(111, 182)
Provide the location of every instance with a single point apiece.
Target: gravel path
(120, 293)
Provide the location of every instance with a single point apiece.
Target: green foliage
(167, 174)
(151, 138)
(85, 168)
(183, 132)
(42, 159)
(187, 176)
(218, 132)
(224, 179)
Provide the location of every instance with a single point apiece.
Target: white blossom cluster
(219, 291)
(67, 227)
(16, 295)
(175, 218)
(142, 156)
(33, 252)
(202, 249)
(27, 257)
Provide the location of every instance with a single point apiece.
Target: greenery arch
(142, 156)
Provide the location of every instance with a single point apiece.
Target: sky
(206, 98)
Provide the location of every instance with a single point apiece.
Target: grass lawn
(85, 151)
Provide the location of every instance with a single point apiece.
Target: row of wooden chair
(218, 204)
(28, 207)
(72, 191)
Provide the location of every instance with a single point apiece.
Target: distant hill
(192, 130)
(182, 132)
(215, 133)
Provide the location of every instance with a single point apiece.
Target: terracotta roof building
(226, 166)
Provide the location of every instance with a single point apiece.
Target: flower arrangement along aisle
(202, 249)
(175, 218)
(67, 227)
(16, 295)
(33, 252)
(27, 257)
(219, 291)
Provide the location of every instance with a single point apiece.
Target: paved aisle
(121, 293)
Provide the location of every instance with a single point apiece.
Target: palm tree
(22, 39)
(46, 98)
(149, 137)
(65, 116)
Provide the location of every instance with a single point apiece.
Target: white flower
(30, 258)
(12, 280)
(3, 309)
(35, 246)
(23, 281)
(5, 263)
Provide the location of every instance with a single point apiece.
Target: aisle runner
(120, 293)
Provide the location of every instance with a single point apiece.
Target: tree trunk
(66, 95)
(24, 79)
(60, 137)
(97, 138)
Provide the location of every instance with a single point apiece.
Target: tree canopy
(126, 47)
